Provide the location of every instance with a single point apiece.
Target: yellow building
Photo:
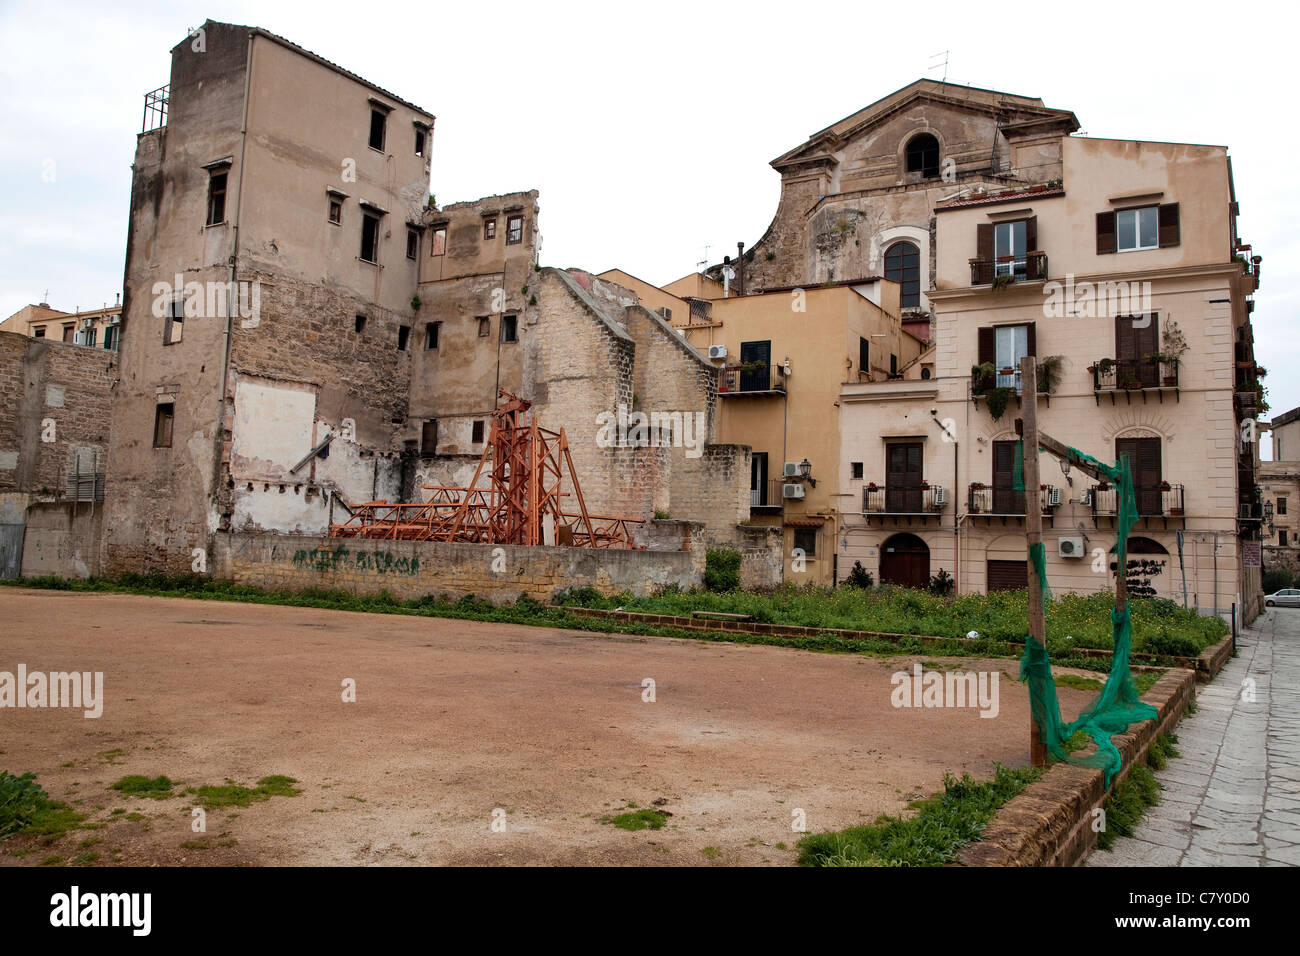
(96, 328)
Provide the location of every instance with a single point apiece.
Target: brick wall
(413, 569)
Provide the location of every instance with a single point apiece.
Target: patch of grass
(136, 785)
(88, 843)
(1077, 682)
(1139, 790)
(85, 859)
(932, 837)
(54, 860)
(26, 808)
(232, 794)
(712, 852)
(116, 755)
(196, 844)
(638, 820)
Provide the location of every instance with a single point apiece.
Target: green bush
(722, 569)
(859, 577)
(1275, 579)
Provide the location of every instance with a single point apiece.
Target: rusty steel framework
(526, 466)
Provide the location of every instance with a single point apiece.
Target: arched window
(903, 265)
(923, 155)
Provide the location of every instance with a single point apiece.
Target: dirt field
(454, 719)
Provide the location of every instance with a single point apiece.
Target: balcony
(751, 380)
(767, 496)
(1163, 500)
(1152, 375)
(1032, 267)
(913, 501)
(987, 502)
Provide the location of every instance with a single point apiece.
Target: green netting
(1019, 470)
(1117, 706)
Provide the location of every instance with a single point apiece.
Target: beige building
(94, 328)
(1123, 279)
(1279, 483)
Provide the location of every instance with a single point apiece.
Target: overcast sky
(648, 133)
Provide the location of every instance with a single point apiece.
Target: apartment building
(94, 328)
(1279, 484)
(1126, 280)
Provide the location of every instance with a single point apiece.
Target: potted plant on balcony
(1175, 347)
(997, 399)
(1164, 486)
(1049, 373)
(872, 486)
(1105, 367)
(983, 377)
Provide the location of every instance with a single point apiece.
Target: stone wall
(62, 539)
(412, 569)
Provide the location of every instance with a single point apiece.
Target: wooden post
(1033, 527)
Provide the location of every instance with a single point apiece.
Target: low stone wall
(62, 538)
(413, 569)
(761, 561)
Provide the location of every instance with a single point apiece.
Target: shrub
(859, 577)
(1275, 579)
(942, 583)
(722, 569)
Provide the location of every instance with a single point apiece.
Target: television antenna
(934, 66)
(705, 261)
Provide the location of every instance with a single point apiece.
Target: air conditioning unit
(1085, 497)
(1054, 496)
(1069, 547)
(792, 491)
(115, 319)
(88, 323)
(940, 496)
(791, 470)
(717, 351)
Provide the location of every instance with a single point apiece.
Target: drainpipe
(234, 259)
(740, 268)
(1216, 574)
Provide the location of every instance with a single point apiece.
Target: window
(856, 472)
(489, 229)
(903, 476)
(476, 432)
(864, 356)
(1281, 537)
(216, 198)
(1009, 249)
(508, 328)
(111, 333)
(412, 243)
(1281, 506)
(1136, 337)
(336, 211)
(925, 373)
(370, 238)
(514, 230)
(903, 265)
(39, 333)
(360, 325)
(1003, 346)
(923, 155)
(403, 337)
(806, 540)
(431, 335)
(893, 366)
(484, 326)
(761, 495)
(419, 141)
(90, 336)
(429, 438)
(1144, 227)
(1006, 499)
(1136, 229)
(1144, 461)
(174, 325)
(163, 416)
(438, 245)
(378, 123)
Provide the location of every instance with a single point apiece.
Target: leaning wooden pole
(1033, 529)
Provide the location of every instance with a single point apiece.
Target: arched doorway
(905, 561)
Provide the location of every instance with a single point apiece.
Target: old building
(95, 328)
(311, 332)
(1124, 279)
(1279, 483)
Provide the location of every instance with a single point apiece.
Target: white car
(1287, 597)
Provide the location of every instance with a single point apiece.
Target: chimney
(740, 268)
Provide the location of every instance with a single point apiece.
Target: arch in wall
(905, 561)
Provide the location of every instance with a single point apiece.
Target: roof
(1286, 418)
(1001, 196)
(330, 64)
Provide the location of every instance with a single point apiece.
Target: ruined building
(308, 331)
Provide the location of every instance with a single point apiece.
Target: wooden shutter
(1125, 342)
(1008, 575)
(1144, 461)
(1031, 234)
(1169, 230)
(1031, 339)
(987, 346)
(1105, 232)
(984, 241)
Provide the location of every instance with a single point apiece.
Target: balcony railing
(895, 500)
(1164, 500)
(984, 500)
(751, 380)
(981, 382)
(1133, 374)
(155, 108)
(1031, 267)
(767, 494)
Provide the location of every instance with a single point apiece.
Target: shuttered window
(1146, 227)
(1144, 462)
(1008, 575)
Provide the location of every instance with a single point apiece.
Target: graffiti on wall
(341, 559)
(1141, 572)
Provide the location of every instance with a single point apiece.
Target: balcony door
(758, 354)
(1144, 461)
(1136, 337)
(758, 480)
(903, 478)
(1006, 500)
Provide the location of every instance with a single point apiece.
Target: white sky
(648, 130)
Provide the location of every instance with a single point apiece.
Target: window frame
(484, 326)
(509, 322)
(810, 532)
(216, 194)
(382, 114)
(403, 338)
(510, 229)
(1017, 268)
(175, 319)
(1136, 211)
(489, 228)
(431, 335)
(159, 421)
(438, 241)
(909, 290)
(412, 244)
(366, 219)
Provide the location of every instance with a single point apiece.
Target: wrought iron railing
(1133, 374)
(986, 500)
(155, 108)
(1163, 500)
(1028, 268)
(767, 494)
(739, 379)
(900, 500)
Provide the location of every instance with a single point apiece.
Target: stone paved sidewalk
(1233, 797)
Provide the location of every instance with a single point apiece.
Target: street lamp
(805, 472)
